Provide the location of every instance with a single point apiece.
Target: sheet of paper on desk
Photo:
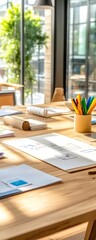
(6, 133)
(9, 111)
(21, 178)
(58, 150)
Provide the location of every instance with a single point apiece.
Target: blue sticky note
(19, 183)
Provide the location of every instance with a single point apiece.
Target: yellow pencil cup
(82, 123)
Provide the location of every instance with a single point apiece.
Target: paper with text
(58, 150)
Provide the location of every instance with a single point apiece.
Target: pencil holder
(82, 123)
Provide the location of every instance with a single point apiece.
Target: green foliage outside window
(10, 38)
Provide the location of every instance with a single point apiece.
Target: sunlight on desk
(38, 203)
(5, 216)
(17, 158)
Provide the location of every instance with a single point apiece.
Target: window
(82, 49)
(36, 54)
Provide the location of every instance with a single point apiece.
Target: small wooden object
(58, 95)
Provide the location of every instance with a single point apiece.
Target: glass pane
(80, 14)
(93, 12)
(70, 40)
(71, 16)
(92, 76)
(39, 79)
(92, 52)
(82, 39)
(83, 14)
(37, 49)
(77, 50)
(76, 15)
(92, 39)
(76, 39)
(10, 43)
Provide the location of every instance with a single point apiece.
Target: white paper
(4, 187)
(58, 150)
(47, 111)
(36, 124)
(34, 178)
(9, 111)
(6, 133)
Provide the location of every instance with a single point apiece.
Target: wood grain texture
(49, 210)
(91, 230)
(74, 233)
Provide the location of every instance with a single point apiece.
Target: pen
(92, 106)
(88, 103)
(74, 106)
(92, 172)
(91, 99)
(83, 103)
(79, 104)
(79, 97)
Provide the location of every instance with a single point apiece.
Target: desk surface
(44, 211)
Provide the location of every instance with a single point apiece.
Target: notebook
(47, 111)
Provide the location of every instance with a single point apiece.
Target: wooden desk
(38, 213)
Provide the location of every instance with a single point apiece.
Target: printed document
(58, 150)
(21, 178)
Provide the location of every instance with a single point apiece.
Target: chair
(7, 97)
(58, 95)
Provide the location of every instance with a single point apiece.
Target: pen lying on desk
(92, 172)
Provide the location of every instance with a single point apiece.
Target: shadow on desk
(91, 135)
